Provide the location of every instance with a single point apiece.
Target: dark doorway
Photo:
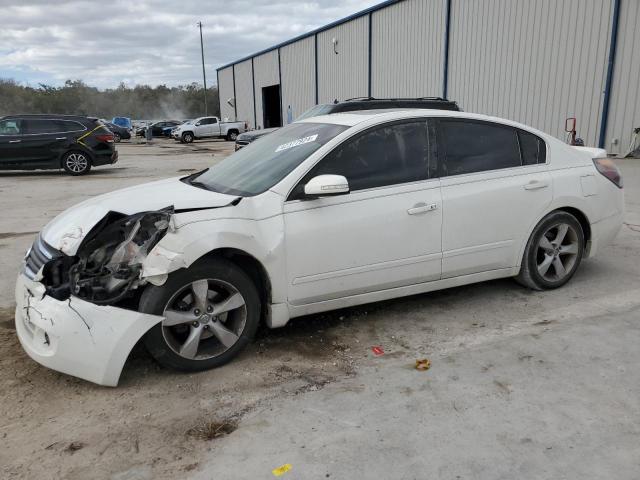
(271, 106)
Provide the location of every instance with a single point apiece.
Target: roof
(329, 26)
(49, 115)
(351, 119)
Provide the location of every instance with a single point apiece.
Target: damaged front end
(107, 266)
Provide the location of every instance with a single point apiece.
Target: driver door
(384, 234)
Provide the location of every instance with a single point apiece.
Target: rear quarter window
(532, 148)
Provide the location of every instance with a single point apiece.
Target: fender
(262, 239)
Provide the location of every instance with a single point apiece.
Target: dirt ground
(159, 424)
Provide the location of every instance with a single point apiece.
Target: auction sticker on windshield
(295, 143)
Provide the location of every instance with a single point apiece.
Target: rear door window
(532, 148)
(469, 146)
(39, 126)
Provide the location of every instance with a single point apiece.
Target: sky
(148, 42)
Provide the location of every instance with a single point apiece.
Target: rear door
(41, 140)
(495, 186)
(11, 151)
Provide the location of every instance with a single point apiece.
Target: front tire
(211, 313)
(553, 253)
(187, 137)
(116, 137)
(76, 163)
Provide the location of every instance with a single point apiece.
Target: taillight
(105, 137)
(607, 168)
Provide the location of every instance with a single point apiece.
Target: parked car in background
(353, 104)
(119, 133)
(157, 128)
(167, 131)
(326, 213)
(208, 127)
(74, 143)
(124, 122)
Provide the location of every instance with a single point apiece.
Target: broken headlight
(108, 264)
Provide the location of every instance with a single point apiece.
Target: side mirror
(570, 124)
(326, 185)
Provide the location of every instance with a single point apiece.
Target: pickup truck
(208, 127)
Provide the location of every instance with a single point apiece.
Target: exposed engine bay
(108, 263)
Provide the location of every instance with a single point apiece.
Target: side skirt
(317, 307)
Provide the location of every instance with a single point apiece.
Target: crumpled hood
(66, 231)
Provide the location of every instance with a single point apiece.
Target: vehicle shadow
(55, 173)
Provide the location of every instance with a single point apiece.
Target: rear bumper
(604, 232)
(106, 158)
(77, 337)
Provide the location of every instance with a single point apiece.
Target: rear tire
(187, 137)
(116, 137)
(211, 311)
(76, 163)
(232, 135)
(553, 253)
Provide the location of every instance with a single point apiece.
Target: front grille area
(40, 254)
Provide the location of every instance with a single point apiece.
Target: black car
(354, 104)
(157, 128)
(119, 133)
(75, 143)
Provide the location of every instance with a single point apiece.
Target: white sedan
(326, 213)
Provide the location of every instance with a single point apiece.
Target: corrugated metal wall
(298, 77)
(408, 45)
(266, 74)
(344, 75)
(624, 111)
(536, 62)
(533, 61)
(225, 79)
(244, 92)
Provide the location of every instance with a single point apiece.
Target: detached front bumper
(77, 337)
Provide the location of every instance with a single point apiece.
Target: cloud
(148, 41)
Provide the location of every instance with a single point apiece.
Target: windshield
(259, 166)
(315, 111)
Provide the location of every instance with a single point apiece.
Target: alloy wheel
(77, 162)
(204, 319)
(557, 252)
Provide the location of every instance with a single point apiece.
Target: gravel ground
(522, 384)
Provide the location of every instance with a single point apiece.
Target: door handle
(422, 207)
(535, 185)
(61, 138)
(15, 141)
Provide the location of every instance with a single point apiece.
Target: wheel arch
(582, 218)
(249, 265)
(74, 148)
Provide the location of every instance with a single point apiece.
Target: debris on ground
(74, 447)
(281, 470)
(423, 364)
(377, 351)
(212, 429)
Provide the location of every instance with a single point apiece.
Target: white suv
(329, 212)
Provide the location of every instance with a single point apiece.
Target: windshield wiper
(202, 185)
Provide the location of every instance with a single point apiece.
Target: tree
(77, 98)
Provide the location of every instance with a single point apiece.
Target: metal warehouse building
(533, 61)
